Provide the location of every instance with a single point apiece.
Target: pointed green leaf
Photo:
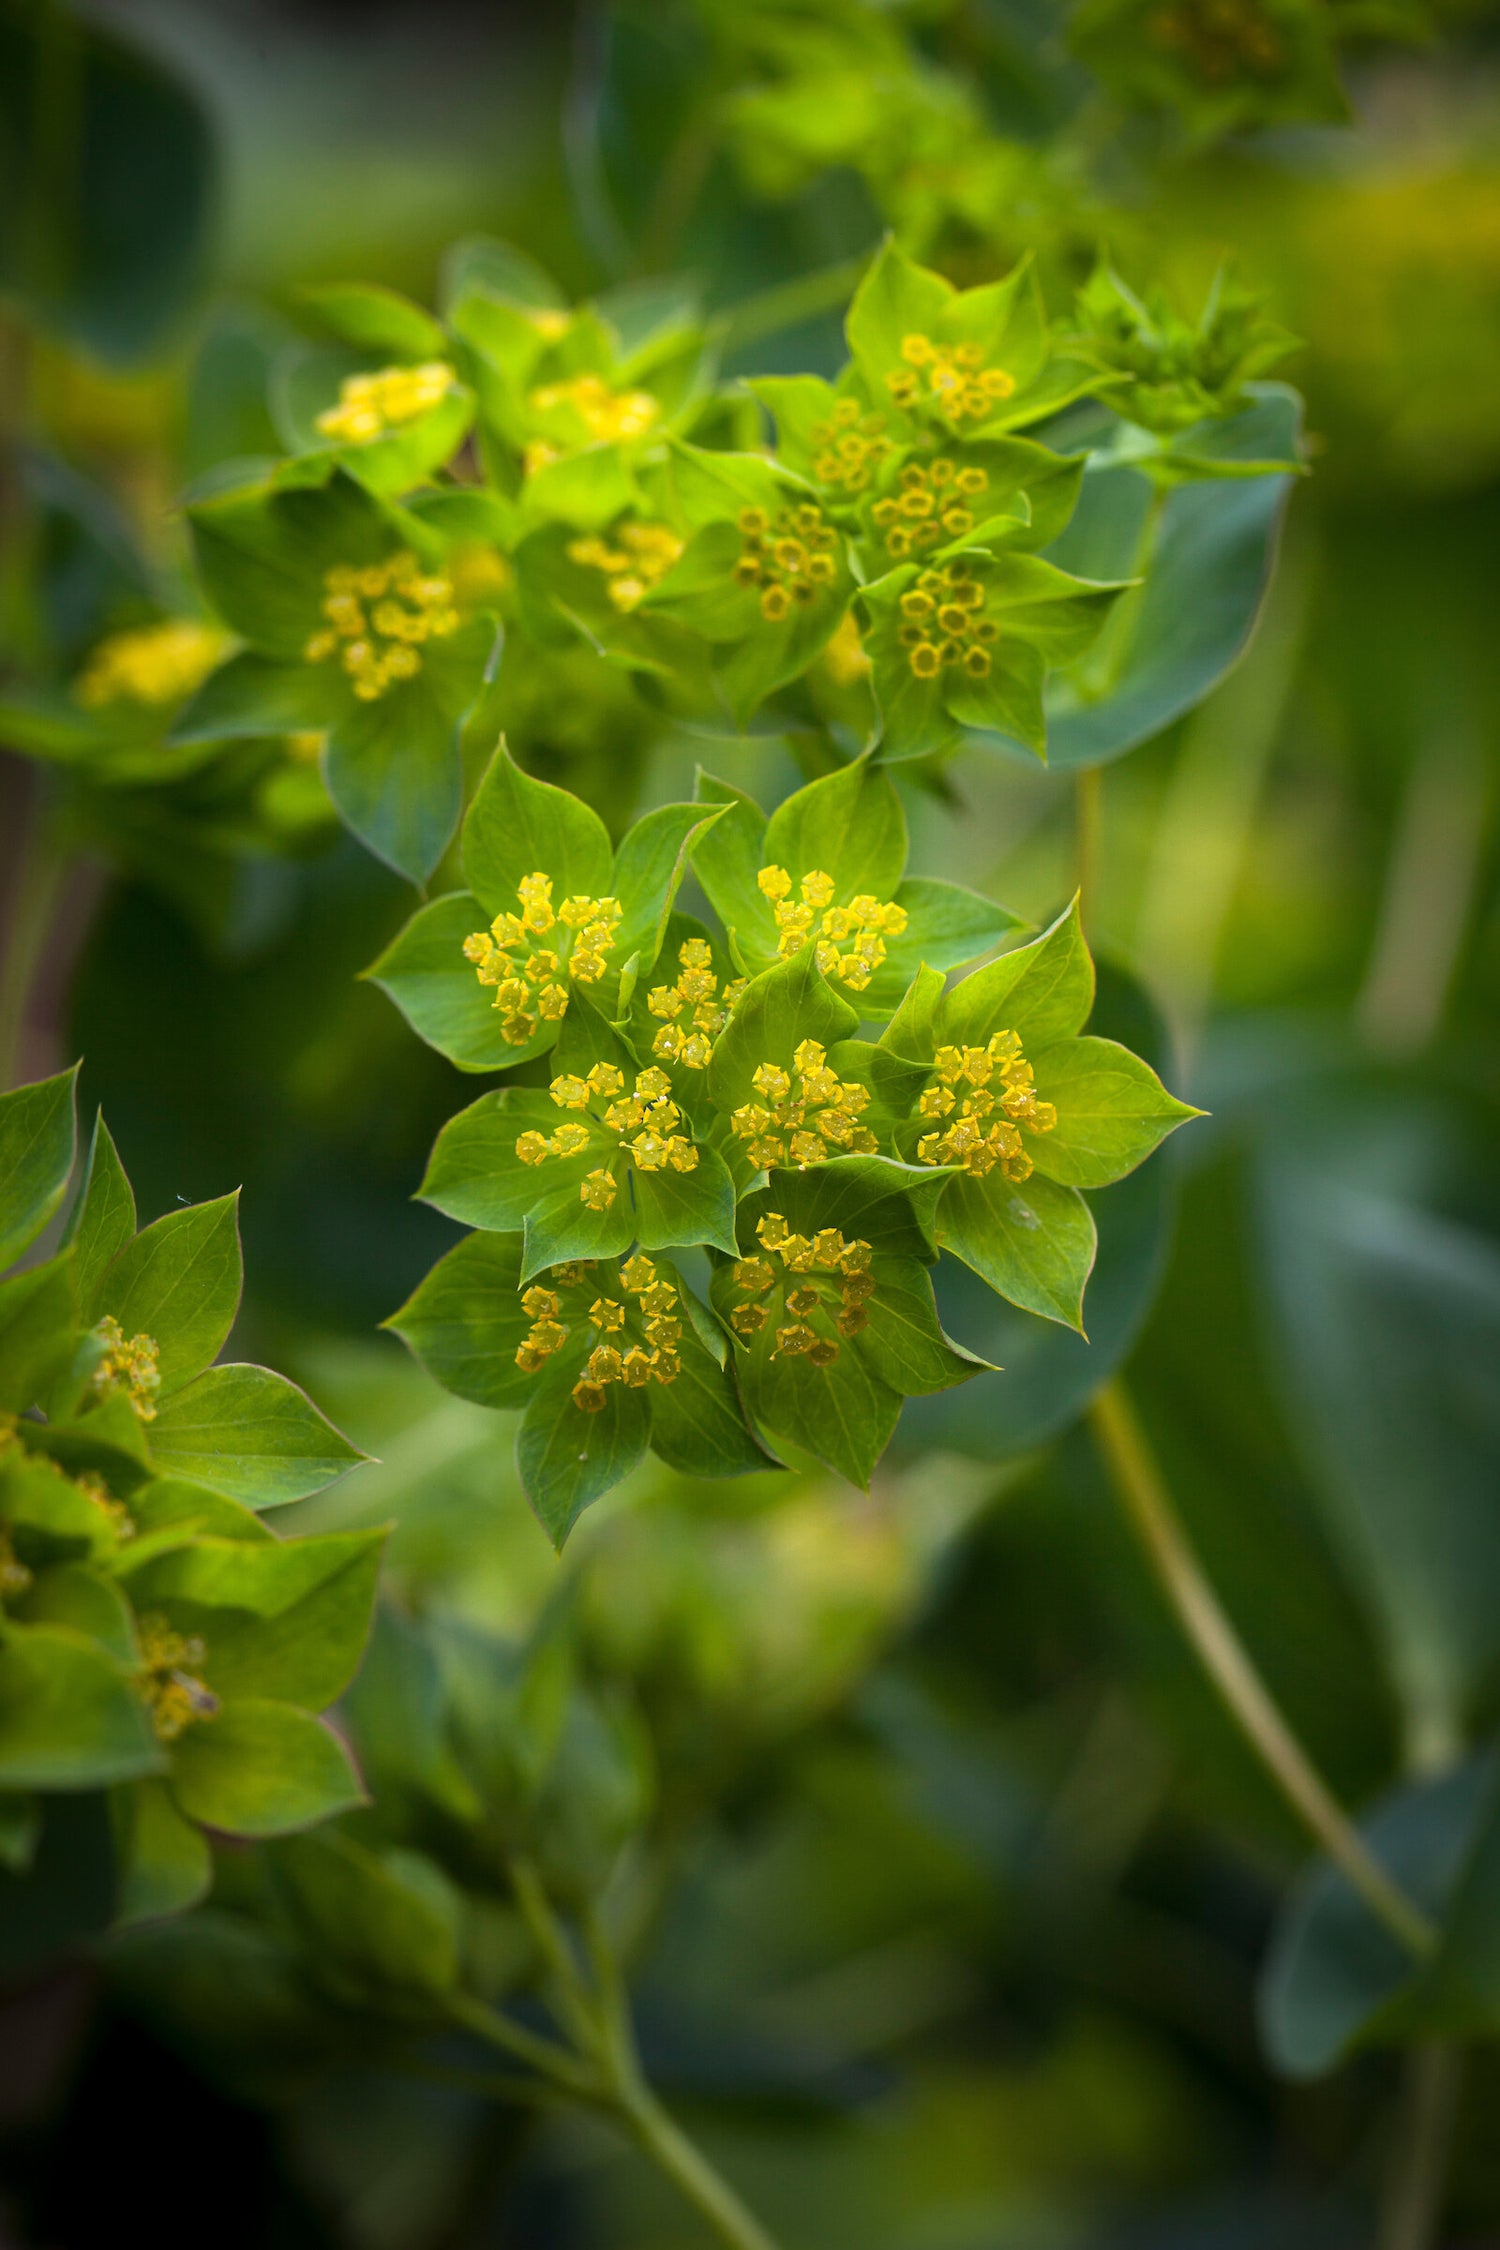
(262, 1769)
(1042, 991)
(102, 1220)
(1112, 1111)
(851, 825)
(567, 1458)
(179, 1283)
(37, 1315)
(69, 1714)
(465, 1319)
(164, 1862)
(426, 974)
(518, 826)
(37, 1141)
(377, 1928)
(1033, 1243)
(250, 1434)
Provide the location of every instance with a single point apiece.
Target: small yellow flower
(155, 665)
(370, 405)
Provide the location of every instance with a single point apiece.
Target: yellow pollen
(983, 1099)
(849, 940)
(824, 1285)
(531, 979)
(693, 1011)
(958, 386)
(787, 557)
(376, 619)
(804, 1118)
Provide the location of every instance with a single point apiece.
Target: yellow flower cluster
(696, 997)
(649, 1114)
(931, 507)
(1219, 40)
(985, 1095)
(604, 413)
(829, 1272)
(941, 623)
(789, 556)
(154, 665)
(867, 921)
(642, 553)
(407, 606)
(853, 445)
(129, 1365)
(638, 1344)
(174, 1695)
(818, 1120)
(530, 980)
(951, 377)
(369, 405)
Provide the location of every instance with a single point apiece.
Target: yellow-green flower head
(633, 1312)
(943, 622)
(934, 506)
(370, 405)
(790, 557)
(816, 1288)
(531, 978)
(645, 1121)
(803, 1115)
(130, 1365)
(849, 940)
(605, 414)
(168, 1678)
(155, 665)
(853, 445)
(950, 379)
(982, 1098)
(692, 1011)
(378, 617)
(632, 559)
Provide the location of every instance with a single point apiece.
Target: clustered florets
(693, 1011)
(985, 1095)
(829, 1271)
(649, 1114)
(128, 1364)
(531, 980)
(155, 664)
(638, 1344)
(174, 1695)
(789, 556)
(956, 380)
(378, 645)
(804, 1125)
(633, 559)
(853, 445)
(369, 405)
(604, 413)
(942, 623)
(932, 506)
(867, 921)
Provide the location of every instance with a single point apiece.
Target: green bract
(156, 1639)
(712, 1094)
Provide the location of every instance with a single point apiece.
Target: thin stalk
(1143, 1493)
(1411, 2214)
(1088, 792)
(551, 1942)
(545, 2056)
(39, 883)
(689, 2170)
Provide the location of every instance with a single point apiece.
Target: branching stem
(1143, 1493)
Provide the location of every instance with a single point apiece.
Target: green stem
(1412, 2210)
(689, 2170)
(1088, 791)
(551, 1942)
(39, 883)
(545, 2056)
(790, 303)
(1139, 1483)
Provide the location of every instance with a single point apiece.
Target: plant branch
(675, 2155)
(545, 2056)
(1088, 792)
(40, 876)
(1138, 1482)
(1415, 2190)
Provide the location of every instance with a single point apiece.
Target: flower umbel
(530, 978)
(949, 377)
(943, 622)
(983, 1096)
(646, 1122)
(863, 925)
(156, 664)
(633, 559)
(788, 556)
(693, 1011)
(174, 1695)
(604, 413)
(129, 1365)
(632, 1311)
(823, 1283)
(935, 504)
(803, 1126)
(853, 445)
(369, 405)
(378, 617)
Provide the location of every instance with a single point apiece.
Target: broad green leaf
(102, 1220)
(392, 766)
(53, 1518)
(947, 927)
(728, 856)
(776, 1012)
(262, 1769)
(911, 1033)
(1042, 991)
(376, 1928)
(474, 1174)
(465, 1319)
(649, 868)
(425, 972)
(1033, 1243)
(164, 1862)
(262, 553)
(568, 1458)
(84, 1603)
(1112, 1111)
(675, 1210)
(374, 319)
(843, 1415)
(178, 1282)
(518, 826)
(250, 1434)
(69, 1714)
(904, 1342)
(253, 695)
(698, 1425)
(37, 1140)
(281, 1618)
(563, 1227)
(851, 824)
(171, 1509)
(37, 1316)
